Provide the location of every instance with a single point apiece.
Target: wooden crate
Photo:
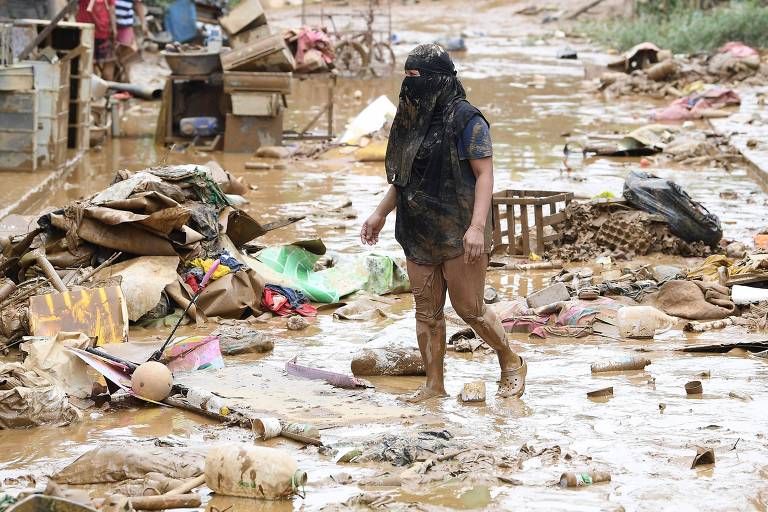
(235, 81)
(248, 35)
(264, 104)
(74, 44)
(265, 54)
(189, 96)
(526, 209)
(246, 134)
(246, 13)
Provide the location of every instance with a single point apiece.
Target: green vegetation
(686, 30)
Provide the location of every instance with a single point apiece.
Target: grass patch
(688, 30)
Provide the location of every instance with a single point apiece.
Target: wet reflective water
(647, 446)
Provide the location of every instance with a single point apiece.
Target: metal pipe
(38, 257)
(7, 287)
(140, 91)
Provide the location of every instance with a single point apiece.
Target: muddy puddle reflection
(645, 435)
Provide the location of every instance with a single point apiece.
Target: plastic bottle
(642, 321)
(207, 401)
(202, 126)
(236, 469)
(571, 479)
(629, 363)
(213, 43)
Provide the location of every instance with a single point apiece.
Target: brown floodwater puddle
(645, 445)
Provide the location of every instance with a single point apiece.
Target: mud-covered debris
(703, 456)
(402, 450)
(29, 399)
(333, 378)
(393, 361)
(614, 228)
(625, 364)
(693, 300)
(116, 463)
(553, 293)
(239, 339)
(602, 392)
(296, 323)
(731, 65)
(746, 397)
(572, 479)
(473, 392)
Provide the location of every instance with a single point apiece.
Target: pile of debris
(670, 143)
(142, 244)
(646, 69)
(613, 228)
(655, 216)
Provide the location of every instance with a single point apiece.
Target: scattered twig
(104, 263)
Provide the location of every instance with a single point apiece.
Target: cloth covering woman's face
(429, 89)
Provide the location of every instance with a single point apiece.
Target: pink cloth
(309, 39)
(188, 353)
(516, 316)
(738, 50)
(692, 105)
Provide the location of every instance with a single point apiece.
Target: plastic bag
(686, 218)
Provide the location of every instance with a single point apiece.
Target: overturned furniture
(527, 207)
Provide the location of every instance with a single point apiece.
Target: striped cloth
(124, 13)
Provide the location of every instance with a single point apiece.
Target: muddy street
(499, 454)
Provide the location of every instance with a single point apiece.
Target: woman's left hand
(474, 243)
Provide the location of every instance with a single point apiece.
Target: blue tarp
(181, 20)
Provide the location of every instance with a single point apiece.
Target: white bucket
(266, 428)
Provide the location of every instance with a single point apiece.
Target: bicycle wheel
(382, 59)
(351, 59)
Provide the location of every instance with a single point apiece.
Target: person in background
(100, 13)
(126, 12)
(440, 166)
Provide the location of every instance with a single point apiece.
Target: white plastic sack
(370, 120)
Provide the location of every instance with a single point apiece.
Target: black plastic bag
(686, 218)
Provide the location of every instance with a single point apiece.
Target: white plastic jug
(237, 469)
(642, 321)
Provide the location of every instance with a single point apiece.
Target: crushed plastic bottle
(207, 401)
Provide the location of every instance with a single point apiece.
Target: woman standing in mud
(440, 167)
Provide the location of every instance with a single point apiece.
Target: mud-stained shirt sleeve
(475, 141)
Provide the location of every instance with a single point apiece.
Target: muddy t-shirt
(475, 140)
(435, 208)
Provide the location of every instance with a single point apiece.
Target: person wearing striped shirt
(126, 12)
